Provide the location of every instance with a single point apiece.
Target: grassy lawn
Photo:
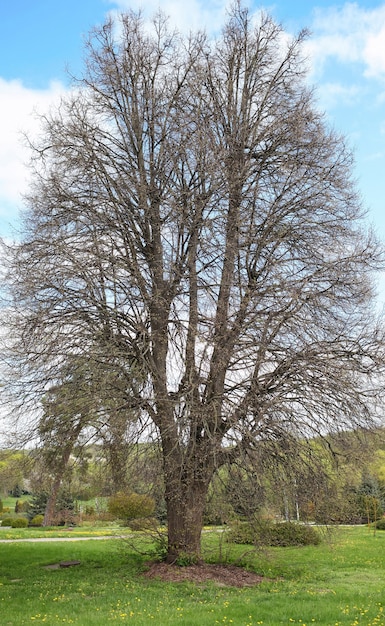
(340, 582)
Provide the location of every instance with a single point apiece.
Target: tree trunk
(185, 507)
(51, 503)
(188, 471)
(50, 509)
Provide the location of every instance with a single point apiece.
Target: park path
(42, 539)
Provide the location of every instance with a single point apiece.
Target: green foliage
(370, 507)
(1, 505)
(22, 506)
(65, 501)
(160, 547)
(380, 524)
(15, 522)
(37, 520)
(289, 534)
(16, 491)
(242, 532)
(64, 507)
(19, 522)
(130, 506)
(38, 504)
(270, 534)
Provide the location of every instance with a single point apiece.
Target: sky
(42, 41)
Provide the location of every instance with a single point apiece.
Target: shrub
(14, 522)
(1, 505)
(242, 532)
(129, 506)
(266, 533)
(289, 534)
(37, 520)
(22, 506)
(19, 522)
(380, 524)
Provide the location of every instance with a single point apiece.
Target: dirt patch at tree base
(224, 575)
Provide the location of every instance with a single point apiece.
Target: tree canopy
(193, 225)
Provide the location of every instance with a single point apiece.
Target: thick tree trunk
(188, 472)
(185, 508)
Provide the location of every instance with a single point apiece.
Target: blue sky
(346, 51)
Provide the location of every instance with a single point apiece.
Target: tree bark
(50, 509)
(51, 503)
(185, 508)
(188, 471)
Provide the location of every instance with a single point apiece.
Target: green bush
(266, 533)
(22, 506)
(289, 534)
(380, 524)
(130, 506)
(242, 532)
(15, 522)
(37, 520)
(1, 505)
(19, 522)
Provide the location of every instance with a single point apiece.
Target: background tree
(84, 405)
(191, 213)
(15, 466)
(68, 409)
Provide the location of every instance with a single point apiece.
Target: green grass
(341, 582)
(10, 501)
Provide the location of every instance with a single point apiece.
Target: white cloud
(186, 16)
(350, 34)
(17, 107)
(374, 52)
(330, 95)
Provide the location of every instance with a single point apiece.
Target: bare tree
(192, 213)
